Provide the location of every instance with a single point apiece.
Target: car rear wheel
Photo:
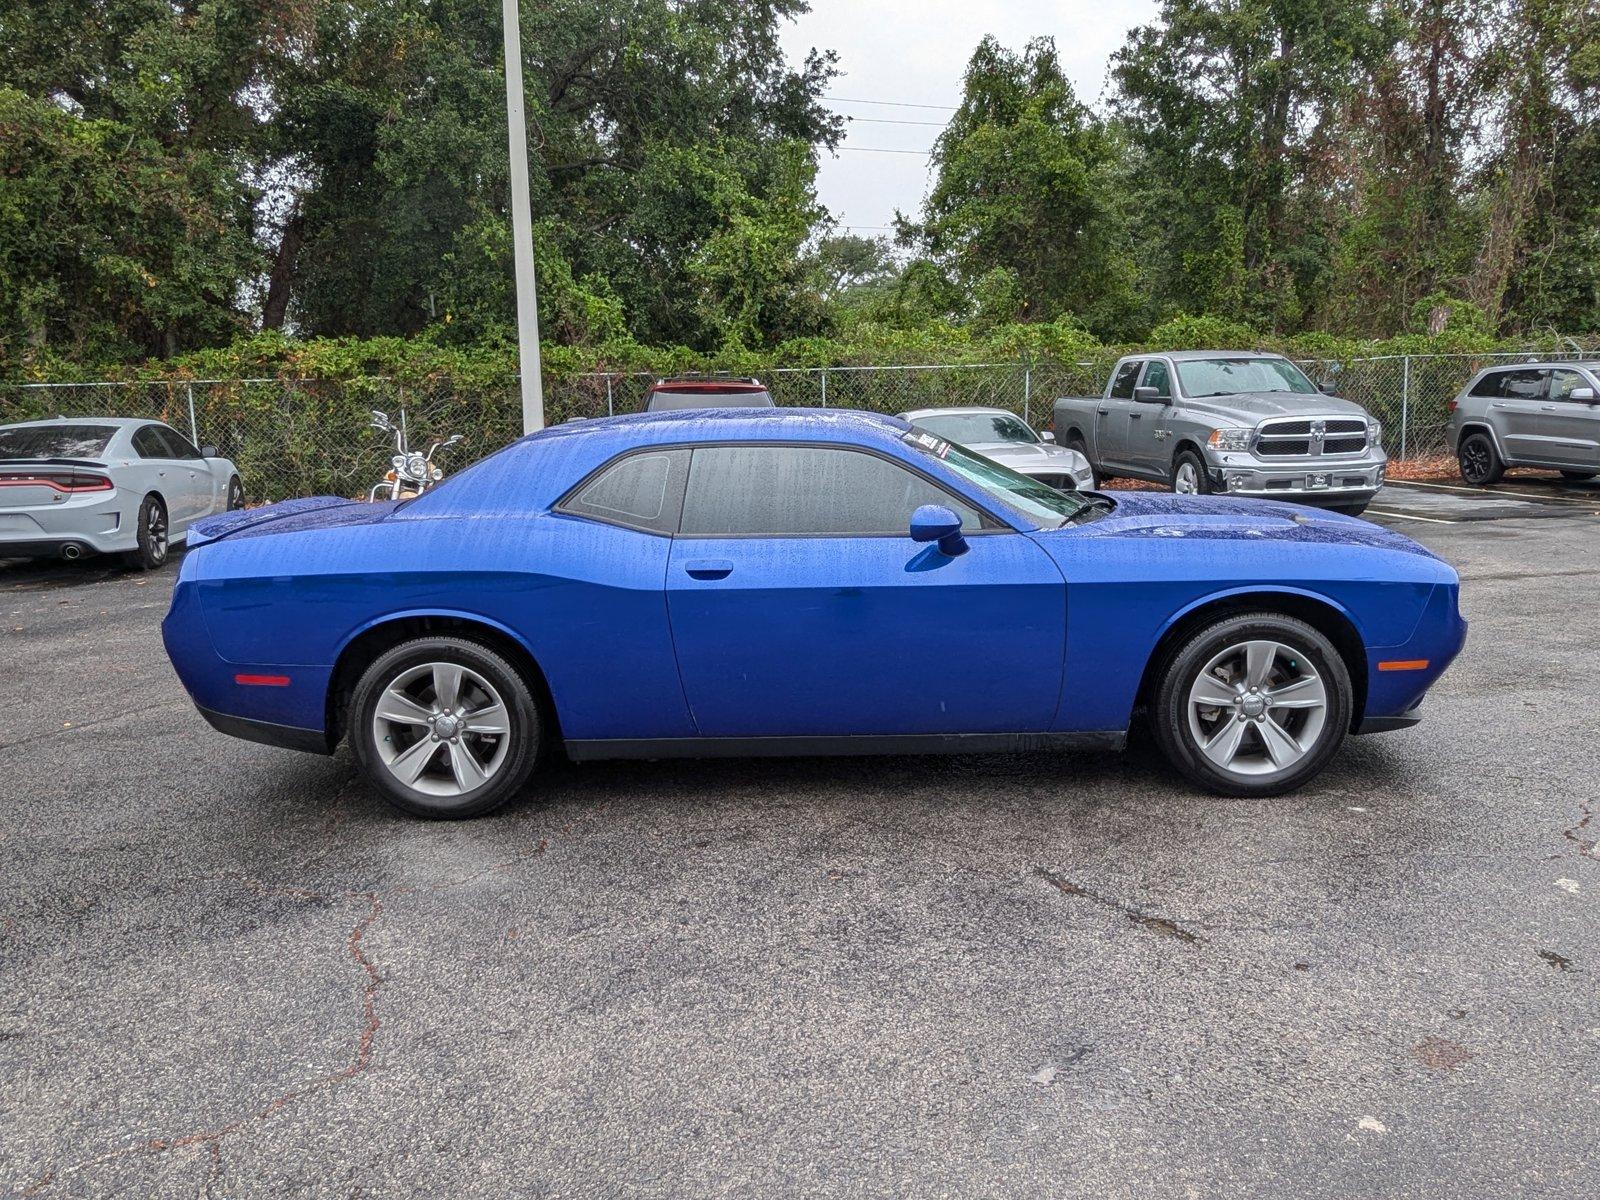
(1253, 705)
(152, 544)
(235, 494)
(1189, 475)
(1579, 476)
(1479, 460)
(444, 727)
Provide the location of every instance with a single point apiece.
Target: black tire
(1579, 476)
(1175, 733)
(235, 494)
(1349, 510)
(1202, 480)
(1479, 461)
(523, 720)
(154, 546)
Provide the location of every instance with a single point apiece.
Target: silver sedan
(106, 485)
(1008, 440)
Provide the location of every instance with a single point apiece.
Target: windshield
(707, 398)
(1230, 376)
(1037, 501)
(978, 428)
(55, 441)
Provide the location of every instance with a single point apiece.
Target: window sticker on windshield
(926, 441)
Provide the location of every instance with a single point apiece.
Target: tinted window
(177, 445)
(1122, 385)
(786, 490)
(148, 443)
(55, 441)
(1523, 385)
(1562, 383)
(662, 401)
(642, 491)
(1157, 376)
(1489, 385)
(978, 428)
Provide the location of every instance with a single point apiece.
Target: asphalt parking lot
(229, 970)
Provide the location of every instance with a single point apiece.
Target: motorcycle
(411, 473)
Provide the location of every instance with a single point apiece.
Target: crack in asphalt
(211, 1139)
(76, 726)
(1163, 926)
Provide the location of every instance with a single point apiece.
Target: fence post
(610, 412)
(824, 402)
(1405, 401)
(194, 426)
(1027, 393)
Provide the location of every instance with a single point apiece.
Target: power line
(894, 121)
(882, 150)
(892, 103)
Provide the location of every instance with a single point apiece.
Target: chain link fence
(296, 437)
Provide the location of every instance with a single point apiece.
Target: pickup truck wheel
(1479, 461)
(1252, 705)
(1189, 475)
(444, 727)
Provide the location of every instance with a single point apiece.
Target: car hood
(289, 516)
(1039, 456)
(1235, 519)
(1258, 406)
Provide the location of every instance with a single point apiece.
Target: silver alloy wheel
(441, 729)
(155, 524)
(1186, 482)
(1257, 708)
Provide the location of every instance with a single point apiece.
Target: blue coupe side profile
(780, 581)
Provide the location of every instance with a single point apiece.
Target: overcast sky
(913, 52)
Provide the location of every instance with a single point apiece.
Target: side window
(1127, 376)
(148, 443)
(1522, 385)
(1562, 383)
(1489, 385)
(177, 445)
(641, 491)
(779, 491)
(1157, 376)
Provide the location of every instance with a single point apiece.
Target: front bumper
(1304, 480)
(1065, 481)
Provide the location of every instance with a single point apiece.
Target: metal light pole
(522, 226)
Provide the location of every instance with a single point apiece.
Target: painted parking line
(1542, 497)
(1409, 517)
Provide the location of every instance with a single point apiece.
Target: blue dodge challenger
(779, 581)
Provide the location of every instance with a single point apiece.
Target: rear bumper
(108, 523)
(268, 733)
(1403, 720)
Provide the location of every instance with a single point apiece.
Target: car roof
(1193, 355)
(730, 424)
(1591, 364)
(117, 422)
(917, 413)
(740, 386)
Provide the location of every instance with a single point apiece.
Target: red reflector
(262, 680)
(1404, 664)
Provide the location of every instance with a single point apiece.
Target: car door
(1517, 414)
(1570, 428)
(1150, 425)
(800, 606)
(1114, 418)
(164, 474)
(193, 473)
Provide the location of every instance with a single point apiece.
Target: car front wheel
(1189, 475)
(235, 494)
(1253, 705)
(444, 727)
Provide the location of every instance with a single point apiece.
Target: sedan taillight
(62, 481)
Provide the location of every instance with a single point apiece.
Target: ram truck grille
(1299, 438)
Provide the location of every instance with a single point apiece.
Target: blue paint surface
(1032, 630)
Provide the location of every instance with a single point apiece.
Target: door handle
(1102, 411)
(1547, 408)
(1135, 416)
(708, 568)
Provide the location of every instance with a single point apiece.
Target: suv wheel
(444, 727)
(1253, 705)
(1480, 462)
(1189, 475)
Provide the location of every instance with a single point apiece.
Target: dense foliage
(178, 177)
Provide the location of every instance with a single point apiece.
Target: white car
(106, 485)
(1007, 439)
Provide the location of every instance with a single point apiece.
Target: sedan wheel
(444, 727)
(1254, 705)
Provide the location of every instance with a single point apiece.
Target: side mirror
(209, 452)
(380, 420)
(1585, 394)
(1329, 389)
(1148, 395)
(1047, 436)
(453, 439)
(936, 523)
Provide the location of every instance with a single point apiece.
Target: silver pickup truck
(1244, 423)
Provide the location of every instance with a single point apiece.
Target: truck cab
(1239, 422)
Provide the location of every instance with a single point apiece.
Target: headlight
(1229, 439)
(417, 467)
(1377, 435)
